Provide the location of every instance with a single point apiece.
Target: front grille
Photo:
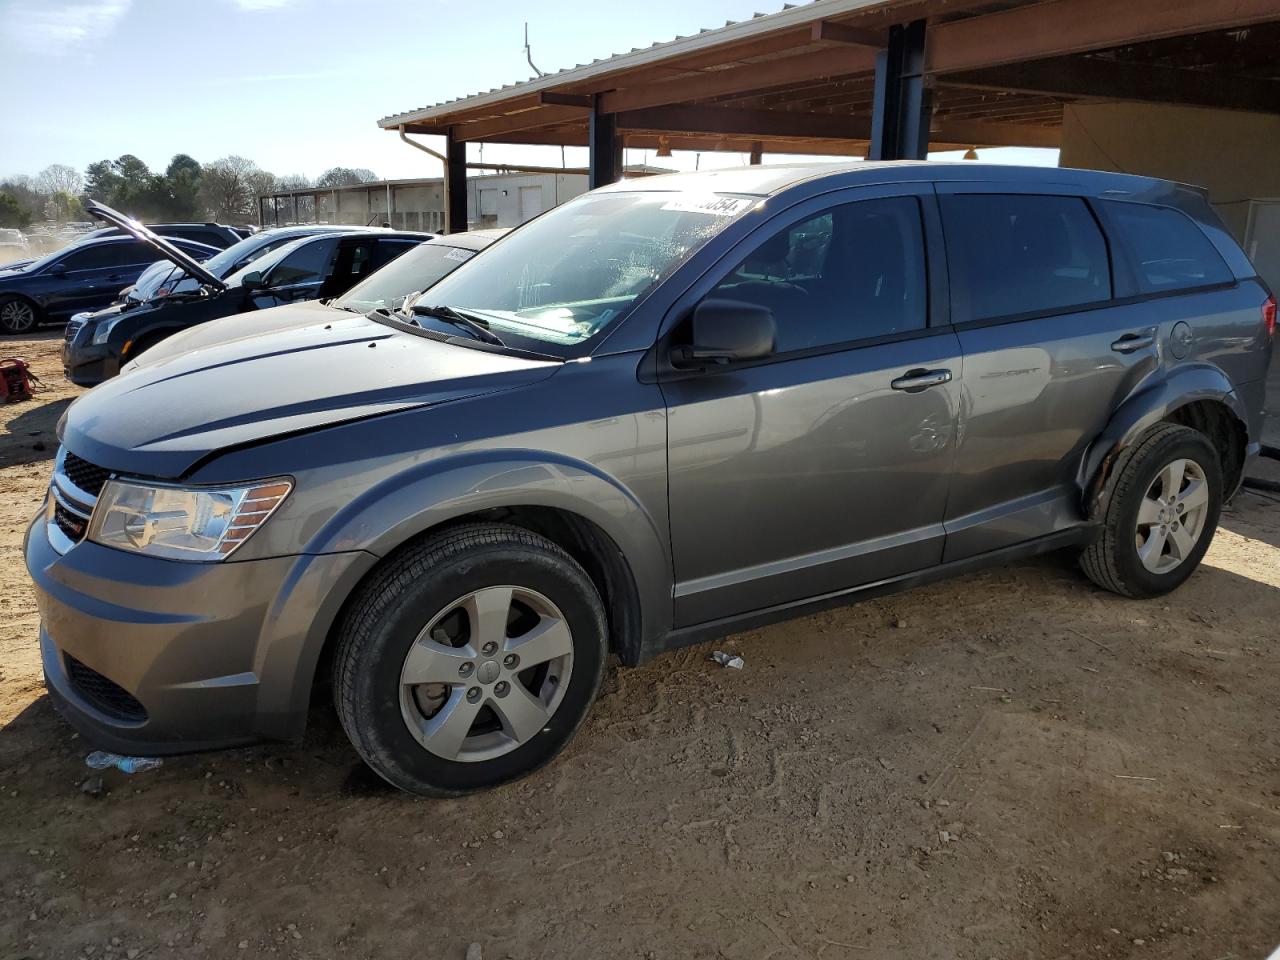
(84, 475)
(73, 327)
(72, 525)
(106, 695)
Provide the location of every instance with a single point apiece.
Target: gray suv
(669, 409)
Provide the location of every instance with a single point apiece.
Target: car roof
(127, 238)
(472, 239)
(764, 181)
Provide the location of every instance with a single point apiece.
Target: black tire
(18, 316)
(416, 585)
(1112, 560)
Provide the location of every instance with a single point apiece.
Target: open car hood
(160, 244)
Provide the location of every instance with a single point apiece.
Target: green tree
(101, 181)
(12, 213)
(183, 181)
(22, 191)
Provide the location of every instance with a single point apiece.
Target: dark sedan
(326, 265)
(87, 276)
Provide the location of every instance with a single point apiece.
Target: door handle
(1133, 342)
(915, 380)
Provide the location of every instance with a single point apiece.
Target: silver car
(667, 410)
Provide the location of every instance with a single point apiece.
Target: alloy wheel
(17, 316)
(1171, 517)
(486, 674)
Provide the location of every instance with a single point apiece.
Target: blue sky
(296, 85)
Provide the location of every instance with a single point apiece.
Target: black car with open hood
(318, 266)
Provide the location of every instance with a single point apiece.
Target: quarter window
(855, 272)
(1167, 249)
(1022, 254)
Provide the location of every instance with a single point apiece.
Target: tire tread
(398, 571)
(1098, 560)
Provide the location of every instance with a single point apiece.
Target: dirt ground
(1010, 765)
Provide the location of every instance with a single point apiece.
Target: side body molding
(1184, 385)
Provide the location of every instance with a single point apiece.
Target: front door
(824, 466)
(299, 275)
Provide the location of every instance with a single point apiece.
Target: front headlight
(183, 523)
(103, 330)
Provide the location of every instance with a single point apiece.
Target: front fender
(1185, 385)
(429, 494)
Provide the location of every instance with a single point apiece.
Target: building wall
(495, 200)
(508, 200)
(1230, 152)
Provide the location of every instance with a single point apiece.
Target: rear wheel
(17, 315)
(469, 660)
(1162, 514)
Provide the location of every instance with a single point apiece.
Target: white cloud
(53, 27)
(254, 6)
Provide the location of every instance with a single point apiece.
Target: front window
(565, 277)
(413, 272)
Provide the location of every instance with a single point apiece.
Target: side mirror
(253, 281)
(727, 331)
(58, 270)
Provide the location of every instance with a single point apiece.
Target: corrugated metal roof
(791, 15)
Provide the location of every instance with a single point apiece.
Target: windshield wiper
(478, 328)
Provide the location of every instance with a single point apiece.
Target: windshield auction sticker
(710, 204)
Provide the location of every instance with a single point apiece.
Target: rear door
(1048, 355)
(824, 466)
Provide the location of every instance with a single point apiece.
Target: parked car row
(264, 270)
(85, 276)
(666, 410)
(195, 283)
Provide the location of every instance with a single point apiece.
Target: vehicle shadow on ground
(324, 767)
(31, 436)
(1255, 515)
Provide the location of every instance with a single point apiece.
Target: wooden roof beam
(1056, 27)
(495, 127)
(1115, 80)
(780, 72)
(747, 123)
(553, 98)
(824, 31)
(979, 134)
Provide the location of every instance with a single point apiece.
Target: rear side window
(1023, 254)
(1167, 250)
(94, 257)
(855, 272)
(137, 252)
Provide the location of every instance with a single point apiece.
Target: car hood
(231, 383)
(160, 244)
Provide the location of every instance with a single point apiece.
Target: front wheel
(1162, 514)
(469, 660)
(17, 316)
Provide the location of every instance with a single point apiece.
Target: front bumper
(150, 656)
(87, 365)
